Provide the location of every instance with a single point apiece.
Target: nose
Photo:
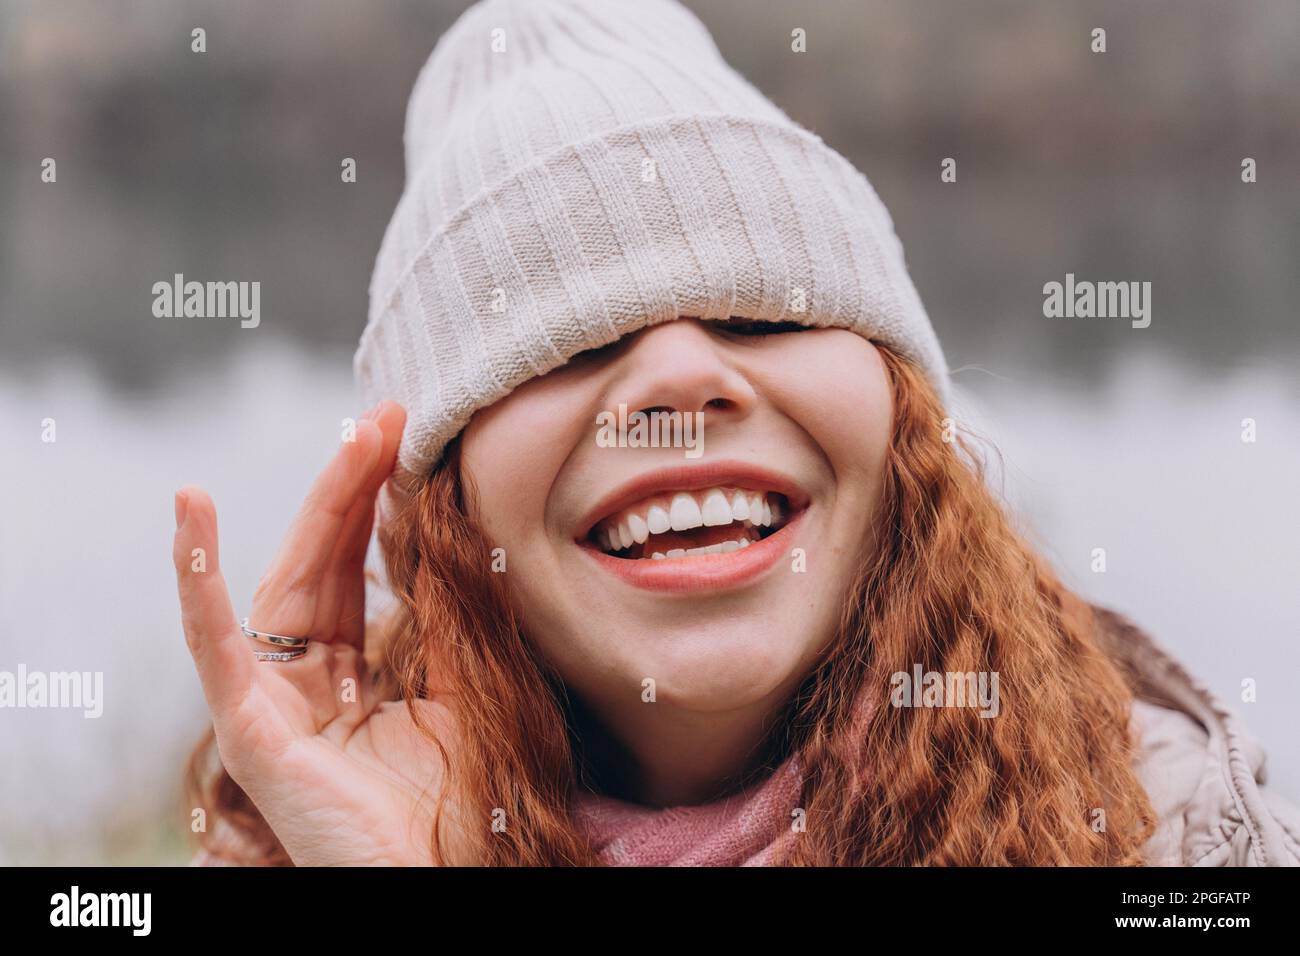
(680, 366)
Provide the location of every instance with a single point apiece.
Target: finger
(219, 649)
(287, 596)
(346, 575)
(345, 581)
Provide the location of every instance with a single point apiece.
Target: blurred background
(1117, 166)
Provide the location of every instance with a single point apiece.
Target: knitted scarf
(754, 826)
(751, 827)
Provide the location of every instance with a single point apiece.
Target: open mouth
(685, 524)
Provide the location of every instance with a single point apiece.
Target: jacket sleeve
(1256, 845)
(1287, 816)
(1207, 788)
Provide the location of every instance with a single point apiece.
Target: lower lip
(701, 572)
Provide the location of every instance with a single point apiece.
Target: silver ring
(279, 655)
(276, 640)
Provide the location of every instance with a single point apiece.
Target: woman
(811, 638)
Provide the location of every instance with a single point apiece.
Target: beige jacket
(1202, 769)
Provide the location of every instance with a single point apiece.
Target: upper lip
(692, 478)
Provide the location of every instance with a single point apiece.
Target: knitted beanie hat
(579, 169)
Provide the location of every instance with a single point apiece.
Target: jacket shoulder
(1207, 816)
(1202, 769)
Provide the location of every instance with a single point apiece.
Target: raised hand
(341, 777)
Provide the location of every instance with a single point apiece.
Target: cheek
(836, 387)
(866, 401)
(511, 452)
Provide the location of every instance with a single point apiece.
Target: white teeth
(658, 556)
(676, 553)
(658, 521)
(685, 513)
(687, 510)
(728, 546)
(716, 511)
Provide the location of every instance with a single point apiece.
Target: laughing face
(720, 579)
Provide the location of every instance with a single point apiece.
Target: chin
(716, 670)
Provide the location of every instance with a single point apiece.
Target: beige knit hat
(579, 169)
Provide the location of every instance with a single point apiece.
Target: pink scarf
(751, 827)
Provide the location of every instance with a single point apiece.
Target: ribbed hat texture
(579, 169)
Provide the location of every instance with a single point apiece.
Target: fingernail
(182, 506)
(371, 412)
